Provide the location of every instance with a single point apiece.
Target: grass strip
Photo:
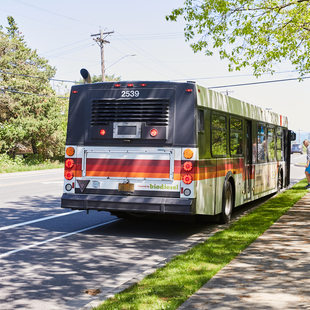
(170, 286)
(8, 165)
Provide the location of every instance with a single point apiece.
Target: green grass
(26, 164)
(171, 285)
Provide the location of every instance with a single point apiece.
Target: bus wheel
(227, 203)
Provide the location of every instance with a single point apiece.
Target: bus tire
(227, 202)
(280, 180)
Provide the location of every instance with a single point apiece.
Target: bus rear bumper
(139, 204)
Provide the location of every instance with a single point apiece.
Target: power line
(3, 90)
(147, 53)
(256, 83)
(64, 46)
(229, 76)
(54, 13)
(38, 77)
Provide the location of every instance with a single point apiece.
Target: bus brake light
(69, 163)
(187, 179)
(102, 132)
(188, 166)
(130, 85)
(154, 132)
(68, 175)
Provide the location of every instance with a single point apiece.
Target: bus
(147, 147)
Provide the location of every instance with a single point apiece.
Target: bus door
(248, 160)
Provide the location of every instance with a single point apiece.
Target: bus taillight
(154, 132)
(68, 175)
(102, 132)
(187, 179)
(69, 163)
(188, 166)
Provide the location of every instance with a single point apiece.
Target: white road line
(6, 254)
(39, 220)
(7, 176)
(29, 182)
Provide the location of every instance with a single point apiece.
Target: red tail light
(68, 175)
(69, 163)
(102, 132)
(143, 84)
(187, 179)
(188, 166)
(154, 132)
(130, 85)
(117, 85)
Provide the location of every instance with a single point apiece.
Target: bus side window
(201, 121)
(271, 144)
(261, 143)
(279, 144)
(218, 135)
(236, 136)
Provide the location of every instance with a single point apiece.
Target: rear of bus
(131, 147)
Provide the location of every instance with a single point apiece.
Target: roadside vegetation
(29, 163)
(33, 118)
(171, 285)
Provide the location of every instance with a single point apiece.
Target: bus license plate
(126, 187)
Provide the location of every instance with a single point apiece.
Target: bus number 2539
(130, 93)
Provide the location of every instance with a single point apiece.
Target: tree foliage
(98, 78)
(255, 33)
(30, 113)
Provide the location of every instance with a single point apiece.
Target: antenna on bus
(85, 75)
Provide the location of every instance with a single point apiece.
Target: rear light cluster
(117, 85)
(69, 164)
(153, 132)
(187, 166)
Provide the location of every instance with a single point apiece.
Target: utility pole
(101, 40)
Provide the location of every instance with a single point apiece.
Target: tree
(255, 33)
(98, 78)
(30, 113)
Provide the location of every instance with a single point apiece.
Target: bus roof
(217, 101)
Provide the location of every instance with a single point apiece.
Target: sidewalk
(272, 273)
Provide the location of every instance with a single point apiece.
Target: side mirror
(293, 135)
(85, 75)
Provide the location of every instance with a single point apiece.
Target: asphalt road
(50, 256)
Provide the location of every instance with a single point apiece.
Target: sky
(144, 46)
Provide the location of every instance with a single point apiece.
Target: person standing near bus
(306, 143)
